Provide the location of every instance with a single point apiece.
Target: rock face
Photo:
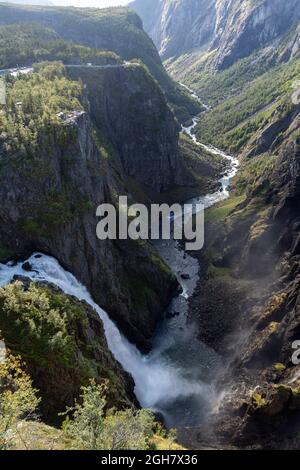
(123, 141)
(292, 44)
(177, 26)
(131, 109)
(229, 29)
(49, 204)
(259, 246)
(241, 28)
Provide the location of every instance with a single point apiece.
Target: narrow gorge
(203, 112)
(170, 377)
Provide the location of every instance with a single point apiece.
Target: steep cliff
(128, 105)
(116, 29)
(217, 31)
(243, 27)
(177, 27)
(55, 170)
(252, 286)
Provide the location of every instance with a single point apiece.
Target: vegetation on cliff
(89, 425)
(24, 44)
(30, 123)
(252, 254)
(71, 138)
(65, 165)
(62, 342)
(246, 109)
(118, 30)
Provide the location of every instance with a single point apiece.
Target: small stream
(177, 378)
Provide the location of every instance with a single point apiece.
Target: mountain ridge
(227, 30)
(118, 30)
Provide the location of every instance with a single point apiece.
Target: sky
(91, 3)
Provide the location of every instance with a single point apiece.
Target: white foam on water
(155, 381)
(211, 199)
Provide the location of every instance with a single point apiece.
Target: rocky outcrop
(283, 123)
(128, 105)
(263, 223)
(254, 255)
(63, 346)
(119, 30)
(291, 45)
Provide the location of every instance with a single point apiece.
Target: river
(177, 378)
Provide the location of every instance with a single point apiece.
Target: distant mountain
(30, 2)
(177, 27)
(235, 28)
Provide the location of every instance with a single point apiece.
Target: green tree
(18, 400)
(93, 429)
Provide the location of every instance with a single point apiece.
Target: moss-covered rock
(278, 399)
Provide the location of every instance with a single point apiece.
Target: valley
(170, 376)
(244, 63)
(205, 112)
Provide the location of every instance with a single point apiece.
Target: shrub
(92, 429)
(18, 399)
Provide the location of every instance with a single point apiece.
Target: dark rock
(259, 248)
(185, 276)
(26, 281)
(179, 289)
(27, 267)
(172, 314)
(137, 111)
(115, 272)
(159, 417)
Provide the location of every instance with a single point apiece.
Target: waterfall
(156, 381)
(177, 377)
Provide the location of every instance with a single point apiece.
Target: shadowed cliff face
(131, 109)
(49, 204)
(254, 255)
(230, 29)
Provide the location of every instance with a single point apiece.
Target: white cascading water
(176, 378)
(210, 199)
(154, 381)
